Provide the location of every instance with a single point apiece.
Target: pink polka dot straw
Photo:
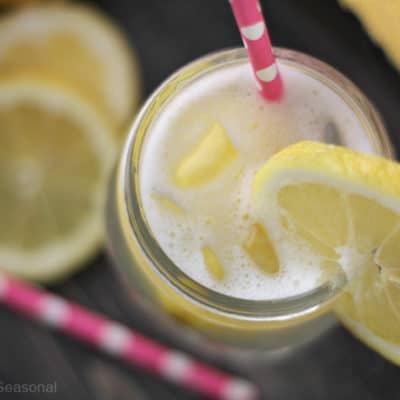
(121, 342)
(250, 21)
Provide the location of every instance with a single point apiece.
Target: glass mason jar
(194, 315)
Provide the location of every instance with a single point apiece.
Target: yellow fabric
(381, 18)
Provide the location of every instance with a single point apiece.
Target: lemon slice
(381, 19)
(55, 158)
(344, 208)
(77, 45)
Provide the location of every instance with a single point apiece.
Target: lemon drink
(198, 165)
(181, 219)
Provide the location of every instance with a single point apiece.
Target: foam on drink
(214, 210)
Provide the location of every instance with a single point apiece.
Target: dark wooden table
(167, 34)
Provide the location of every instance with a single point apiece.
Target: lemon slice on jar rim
(344, 208)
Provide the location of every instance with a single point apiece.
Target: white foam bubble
(219, 214)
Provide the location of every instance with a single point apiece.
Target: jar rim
(281, 309)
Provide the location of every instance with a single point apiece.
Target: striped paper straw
(250, 21)
(121, 342)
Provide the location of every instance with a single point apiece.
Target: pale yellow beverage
(181, 220)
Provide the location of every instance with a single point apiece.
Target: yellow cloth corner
(382, 20)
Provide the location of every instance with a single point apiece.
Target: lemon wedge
(212, 263)
(211, 155)
(56, 154)
(75, 45)
(345, 206)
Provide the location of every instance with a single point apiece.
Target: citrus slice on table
(55, 158)
(343, 208)
(381, 19)
(77, 45)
